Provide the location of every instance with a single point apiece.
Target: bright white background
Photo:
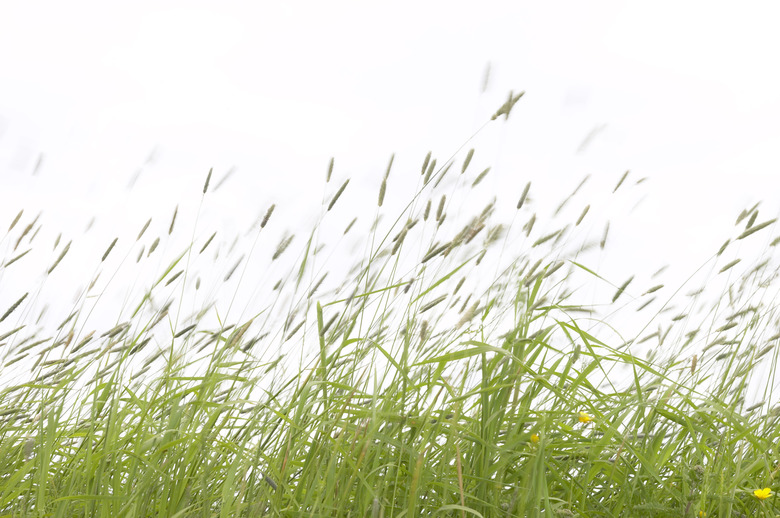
(130, 104)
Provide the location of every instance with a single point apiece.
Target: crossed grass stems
(443, 375)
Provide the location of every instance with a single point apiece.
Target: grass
(459, 367)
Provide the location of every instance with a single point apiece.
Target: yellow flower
(763, 493)
(585, 418)
(534, 438)
(702, 514)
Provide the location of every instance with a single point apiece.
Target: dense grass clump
(462, 365)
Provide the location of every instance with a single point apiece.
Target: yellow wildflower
(763, 493)
(702, 514)
(585, 418)
(534, 438)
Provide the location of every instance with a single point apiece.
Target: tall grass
(460, 366)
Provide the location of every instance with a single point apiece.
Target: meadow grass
(459, 366)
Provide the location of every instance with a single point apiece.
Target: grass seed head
(173, 220)
(208, 179)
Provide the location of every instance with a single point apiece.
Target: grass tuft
(428, 368)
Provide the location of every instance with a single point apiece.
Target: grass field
(458, 366)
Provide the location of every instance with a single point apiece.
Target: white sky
(686, 94)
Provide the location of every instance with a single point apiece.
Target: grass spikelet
(337, 195)
(267, 215)
(729, 265)
(546, 238)
(153, 247)
(11, 332)
(431, 168)
(382, 189)
(230, 172)
(25, 232)
(480, 177)
(174, 277)
(138, 347)
(442, 174)
(467, 160)
(141, 233)
(330, 170)
(399, 239)
(208, 179)
(14, 306)
(752, 220)
(557, 266)
(425, 163)
(389, 166)
(62, 254)
(295, 330)
(723, 356)
(35, 233)
(764, 351)
(329, 323)
(173, 220)
(603, 242)
(119, 328)
(94, 281)
(14, 259)
(506, 108)
(349, 227)
(238, 334)
(726, 327)
(752, 230)
(654, 289)
(649, 337)
(494, 234)
(723, 247)
(646, 303)
(433, 253)
(427, 211)
(185, 330)
(16, 220)
(530, 225)
(749, 309)
(524, 195)
(457, 286)
(108, 250)
(745, 213)
(283, 244)
(440, 209)
(582, 216)
(84, 341)
(468, 315)
(16, 359)
(433, 303)
(775, 241)
(620, 182)
(140, 254)
(693, 363)
(233, 269)
(208, 242)
(317, 285)
(65, 322)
